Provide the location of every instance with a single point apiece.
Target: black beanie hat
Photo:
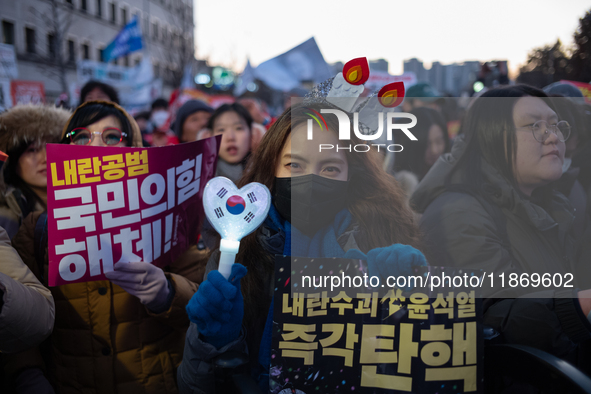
(189, 108)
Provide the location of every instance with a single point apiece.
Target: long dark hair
(375, 200)
(92, 113)
(489, 132)
(412, 158)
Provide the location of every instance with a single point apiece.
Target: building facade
(379, 65)
(416, 66)
(85, 28)
(452, 78)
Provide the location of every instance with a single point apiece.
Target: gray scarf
(230, 171)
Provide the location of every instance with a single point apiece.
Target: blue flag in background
(128, 40)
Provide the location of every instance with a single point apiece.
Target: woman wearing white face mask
(489, 205)
(158, 131)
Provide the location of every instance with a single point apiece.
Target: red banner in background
(220, 99)
(585, 88)
(27, 92)
(109, 205)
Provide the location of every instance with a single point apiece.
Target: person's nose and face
(301, 156)
(235, 133)
(32, 166)
(193, 124)
(538, 160)
(311, 184)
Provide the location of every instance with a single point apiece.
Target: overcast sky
(230, 31)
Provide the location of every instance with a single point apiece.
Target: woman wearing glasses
(24, 131)
(489, 205)
(125, 335)
(108, 121)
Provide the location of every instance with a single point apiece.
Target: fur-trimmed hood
(31, 123)
(136, 138)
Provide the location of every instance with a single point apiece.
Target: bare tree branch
(57, 25)
(180, 49)
(41, 16)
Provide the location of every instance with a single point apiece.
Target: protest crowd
(508, 192)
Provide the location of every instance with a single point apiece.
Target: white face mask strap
(566, 164)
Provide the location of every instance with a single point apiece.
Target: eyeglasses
(82, 136)
(541, 130)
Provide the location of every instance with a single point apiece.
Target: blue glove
(393, 260)
(218, 308)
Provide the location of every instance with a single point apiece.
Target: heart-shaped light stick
(234, 213)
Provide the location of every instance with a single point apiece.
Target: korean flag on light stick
(234, 213)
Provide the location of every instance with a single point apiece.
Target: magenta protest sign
(109, 205)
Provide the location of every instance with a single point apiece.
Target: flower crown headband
(343, 91)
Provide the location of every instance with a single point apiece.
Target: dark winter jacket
(569, 185)
(461, 232)
(195, 374)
